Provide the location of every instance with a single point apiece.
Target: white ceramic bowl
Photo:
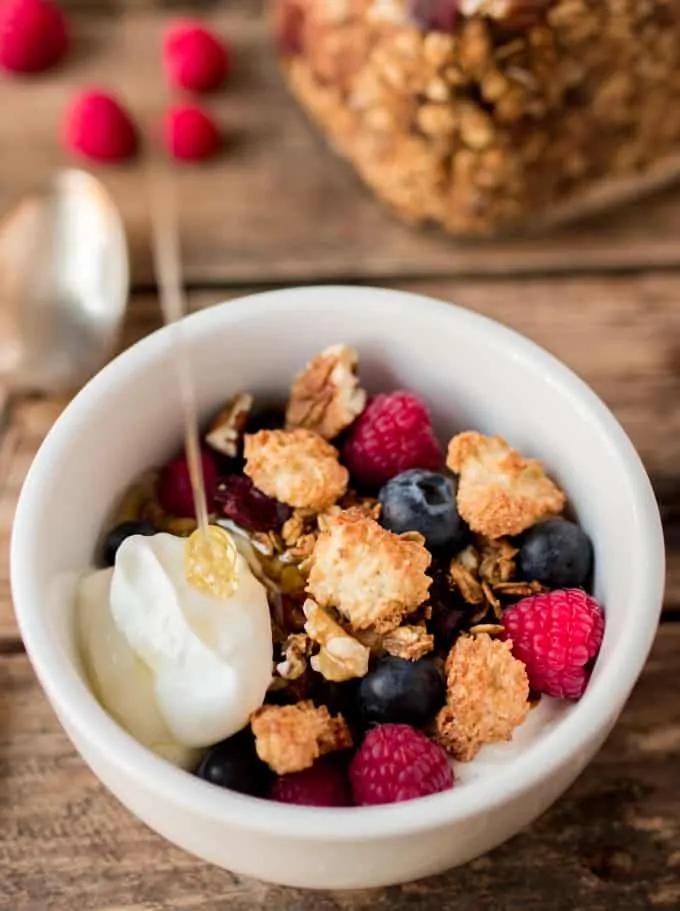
(473, 373)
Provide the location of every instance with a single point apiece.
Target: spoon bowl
(64, 285)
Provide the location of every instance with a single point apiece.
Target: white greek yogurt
(178, 669)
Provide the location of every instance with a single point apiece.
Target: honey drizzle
(210, 556)
(167, 259)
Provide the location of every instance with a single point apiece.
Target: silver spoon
(64, 285)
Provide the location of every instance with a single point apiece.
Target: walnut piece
(326, 396)
(341, 656)
(296, 650)
(290, 738)
(226, 431)
(373, 577)
(408, 642)
(487, 696)
(500, 492)
(296, 467)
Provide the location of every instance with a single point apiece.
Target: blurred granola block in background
(485, 116)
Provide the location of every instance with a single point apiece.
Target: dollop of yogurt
(180, 670)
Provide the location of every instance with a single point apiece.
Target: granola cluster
(500, 492)
(371, 576)
(296, 467)
(372, 624)
(487, 115)
(289, 738)
(481, 666)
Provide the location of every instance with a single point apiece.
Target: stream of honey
(211, 555)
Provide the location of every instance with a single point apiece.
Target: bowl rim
(588, 721)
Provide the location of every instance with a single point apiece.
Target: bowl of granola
(431, 576)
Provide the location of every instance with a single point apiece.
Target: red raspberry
(392, 434)
(435, 15)
(174, 487)
(33, 35)
(289, 27)
(323, 785)
(244, 504)
(194, 58)
(396, 762)
(96, 126)
(557, 637)
(191, 134)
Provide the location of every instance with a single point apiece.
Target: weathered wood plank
(279, 205)
(613, 842)
(621, 335)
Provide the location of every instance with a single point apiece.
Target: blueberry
(118, 534)
(557, 553)
(402, 692)
(234, 764)
(424, 501)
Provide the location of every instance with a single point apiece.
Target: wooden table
(278, 209)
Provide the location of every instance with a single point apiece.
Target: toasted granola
(367, 506)
(466, 582)
(373, 577)
(492, 600)
(326, 396)
(500, 492)
(410, 642)
(497, 564)
(296, 467)
(295, 527)
(341, 657)
(226, 431)
(487, 696)
(289, 738)
(519, 589)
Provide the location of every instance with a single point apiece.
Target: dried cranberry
(290, 21)
(174, 489)
(240, 501)
(434, 15)
(450, 613)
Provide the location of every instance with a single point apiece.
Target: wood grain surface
(611, 844)
(279, 207)
(620, 334)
